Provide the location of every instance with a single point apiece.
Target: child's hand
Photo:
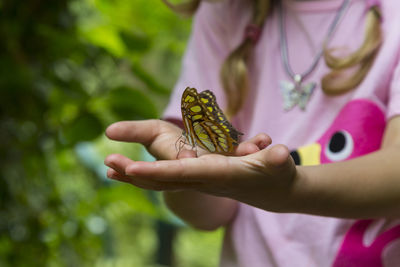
(260, 177)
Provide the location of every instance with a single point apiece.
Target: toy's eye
(296, 157)
(340, 146)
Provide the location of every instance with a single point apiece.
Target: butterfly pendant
(205, 124)
(296, 93)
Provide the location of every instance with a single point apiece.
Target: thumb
(275, 158)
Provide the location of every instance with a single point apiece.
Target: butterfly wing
(210, 102)
(188, 101)
(220, 137)
(205, 123)
(289, 93)
(306, 92)
(203, 136)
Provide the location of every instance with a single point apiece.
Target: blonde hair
(346, 73)
(338, 81)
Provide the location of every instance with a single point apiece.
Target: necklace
(295, 92)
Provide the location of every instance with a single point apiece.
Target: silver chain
(284, 48)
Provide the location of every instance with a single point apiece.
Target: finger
(150, 185)
(167, 185)
(164, 186)
(113, 174)
(273, 158)
(183, 170)
(144, 131)
(280, 155)
(158, 136)
(253, 145)
(117, 162)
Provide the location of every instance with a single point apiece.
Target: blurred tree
(68, 68)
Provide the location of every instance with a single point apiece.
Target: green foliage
(120, 104)
(201, 253)
(69, 68)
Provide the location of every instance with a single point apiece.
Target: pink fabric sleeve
(394, 94)
(206, 51)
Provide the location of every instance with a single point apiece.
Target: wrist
(300, 195)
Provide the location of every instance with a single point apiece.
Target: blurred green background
(69, 68)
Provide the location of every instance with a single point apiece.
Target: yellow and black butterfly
(205, 124)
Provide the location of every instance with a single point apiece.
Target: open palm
(254, 171)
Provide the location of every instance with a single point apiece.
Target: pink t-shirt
(330, 129)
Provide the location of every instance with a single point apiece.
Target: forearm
(200, 210)
(366, 187)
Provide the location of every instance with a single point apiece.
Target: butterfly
(205, 124)
(296, 94)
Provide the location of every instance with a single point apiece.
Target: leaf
(85, 127)
(149, 80)
(135, 198)
(128, 104)
(107, 37)
(134, 42)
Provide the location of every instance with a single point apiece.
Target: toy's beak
(307, 155)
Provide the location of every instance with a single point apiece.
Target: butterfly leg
(180, 143)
